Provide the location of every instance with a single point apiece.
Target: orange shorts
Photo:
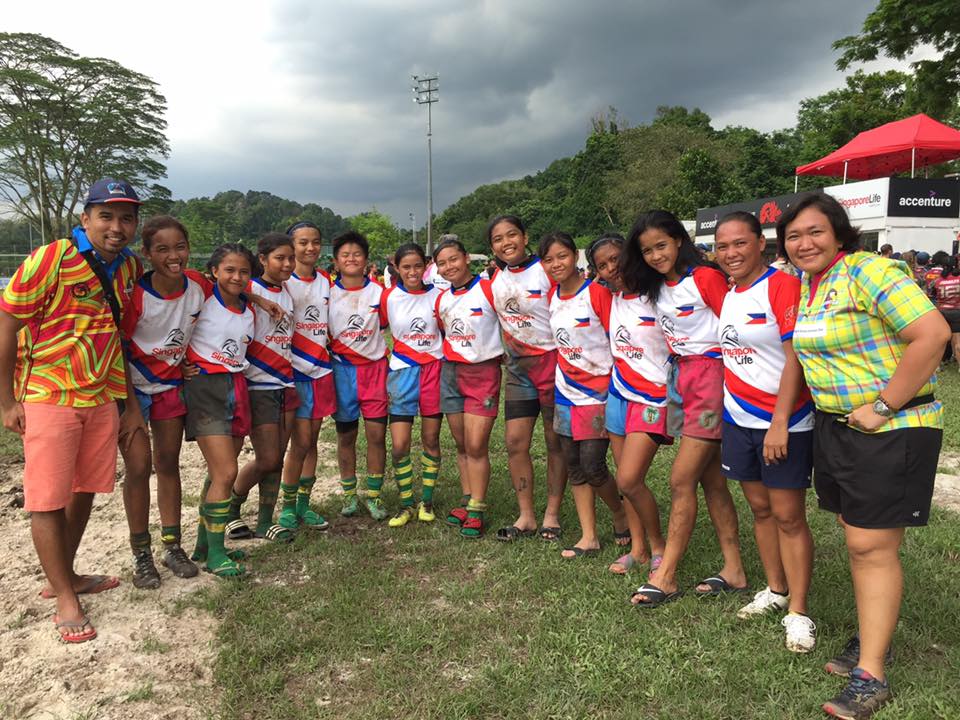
(68, 450)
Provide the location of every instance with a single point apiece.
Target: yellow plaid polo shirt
(847, 335)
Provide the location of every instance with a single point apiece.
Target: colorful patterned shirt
(69, 352)
(847, 335)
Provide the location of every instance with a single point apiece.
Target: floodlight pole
(427, 91)
(413, 225)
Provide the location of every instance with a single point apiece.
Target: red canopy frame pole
(845, 171)
(913, 160)
(796, 181)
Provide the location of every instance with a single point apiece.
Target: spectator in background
(431, 276)
(886, 250)
(62, 311)
(909, 258)
(946, 296)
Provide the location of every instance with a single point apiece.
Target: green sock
(236, 503)
(403, 471)
(430, 466)
(140, 542)
(349, 485)
(374, 483)
(475, 509)
(304, 489)
(200, 549)
(170, 534)
(289, 494)
(216, 515)
(269, 489)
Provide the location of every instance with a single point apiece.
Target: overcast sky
(311, 100)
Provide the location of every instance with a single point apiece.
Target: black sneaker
(177, 561)
(848, 658)
(145, 575)
(861, 698)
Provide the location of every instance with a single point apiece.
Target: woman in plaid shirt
(869, 342)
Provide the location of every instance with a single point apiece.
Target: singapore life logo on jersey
(356, 330)
(732, 347)
(461, 333)
(624, 344)
(311, 322)
(566, 347)
(418, 333)
(515, 316)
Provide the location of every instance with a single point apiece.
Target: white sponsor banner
(866, 199)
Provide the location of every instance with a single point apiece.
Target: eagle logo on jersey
(175, 338)
(459, 333)
(355, 323)
(729, 338)
(230, 348)
(625, 344)
(733, 348)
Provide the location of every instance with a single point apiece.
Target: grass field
(368, 622)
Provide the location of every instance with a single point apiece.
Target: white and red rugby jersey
(221, 334)
(158, 330)
(579, 323)
(412, 318)
(520, 296)
(355, 337)
(688, 311)
(311, 304)
(269, 354)
(469, 323)
(641, 357)
(754, 323)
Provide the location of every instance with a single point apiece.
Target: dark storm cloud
(519, 83)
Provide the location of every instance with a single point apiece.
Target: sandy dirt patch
(946, 492)
(152, 657)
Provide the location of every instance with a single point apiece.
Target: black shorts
(953, 319)
(875, 480)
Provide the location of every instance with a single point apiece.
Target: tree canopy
(66, 120)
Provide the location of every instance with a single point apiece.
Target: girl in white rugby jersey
(661, 262)
(579, 317)
(164, 307)
(469, 378)
(409, 308)
(218, 404)
(636, 415)
(767, 421)
(309, 287)
(520, 292)
(359, 371)
(273, 398)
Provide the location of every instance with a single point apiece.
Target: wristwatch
(881, 408)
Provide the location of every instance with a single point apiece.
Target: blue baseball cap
(108, 190)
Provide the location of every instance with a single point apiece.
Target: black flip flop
(719, 586)
(238, 530)
(579, 552)
(625, 535)
(512, 533)
(550, 534)
(655, 596)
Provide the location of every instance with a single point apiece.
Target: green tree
(66, 120)
(897, 28)
(380, 232)
(700, 182)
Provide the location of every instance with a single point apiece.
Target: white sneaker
(801, 633)
(763, 602)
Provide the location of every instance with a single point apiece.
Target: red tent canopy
(896, 147)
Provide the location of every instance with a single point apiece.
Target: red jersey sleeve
(436, 310)
(712, 285)
(201, 280)
(487, 289)
(134, 310)
(784, 293)
(602, 300)
(382, 311)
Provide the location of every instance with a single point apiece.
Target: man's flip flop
(719, 586)
(578, 552)
(512, 533)
(655, 596)
(74, 632)
(92, 584)
(277, 533)
(238, 530)
(622, 539)
(550, 534)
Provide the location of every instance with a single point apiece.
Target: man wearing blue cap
(61, 375)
